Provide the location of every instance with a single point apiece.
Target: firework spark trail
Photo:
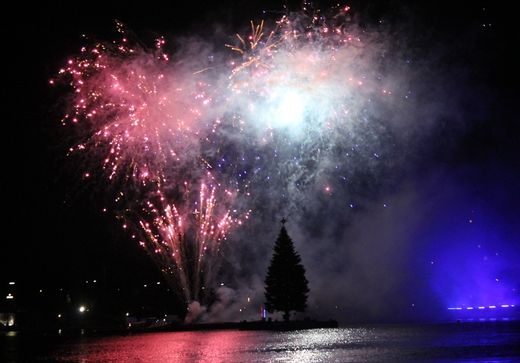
(248, 49)
(186, 246)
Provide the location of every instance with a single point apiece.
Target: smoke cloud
(313, 118)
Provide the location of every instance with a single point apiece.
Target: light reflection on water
(455, 342)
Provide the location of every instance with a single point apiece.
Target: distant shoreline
(178, 327)
(99, 331)
(245, 325)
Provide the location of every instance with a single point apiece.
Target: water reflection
(470, 342)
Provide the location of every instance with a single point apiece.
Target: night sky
(430, 226)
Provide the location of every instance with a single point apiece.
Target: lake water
(486, 342)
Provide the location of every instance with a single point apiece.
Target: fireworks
(140, 120)
(309, 75)
(288, 112)
(186, 245)
(255, 49)
(139, 114)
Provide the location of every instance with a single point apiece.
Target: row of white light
(482, 307)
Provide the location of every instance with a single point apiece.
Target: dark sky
(54, 231)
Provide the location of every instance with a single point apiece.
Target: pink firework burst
(139, 114)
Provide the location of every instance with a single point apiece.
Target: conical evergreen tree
(285, 285)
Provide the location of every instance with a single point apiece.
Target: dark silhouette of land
(244, 325)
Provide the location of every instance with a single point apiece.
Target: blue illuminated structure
(497, 312)
(503, 306)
